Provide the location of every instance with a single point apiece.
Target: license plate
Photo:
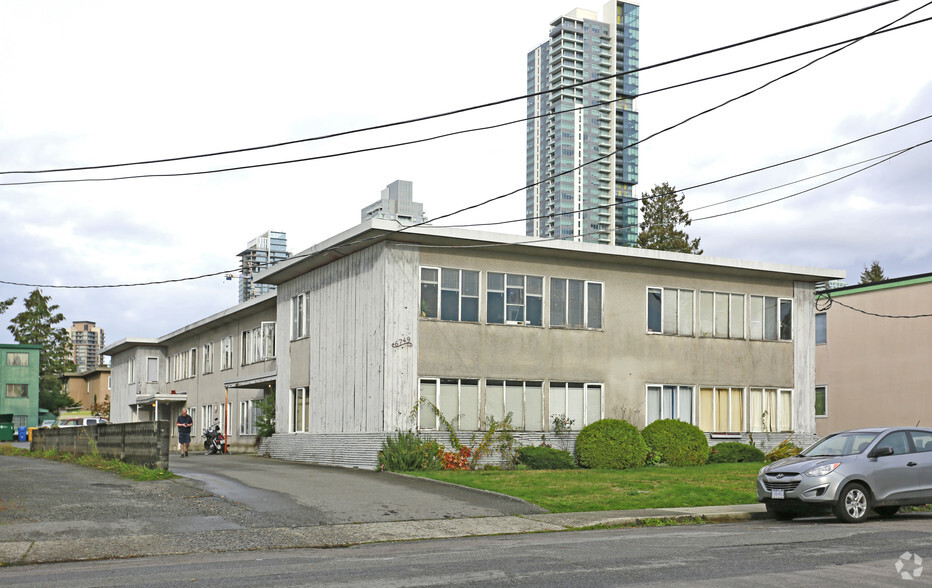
(777, 494)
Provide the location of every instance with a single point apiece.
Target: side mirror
(880, 452)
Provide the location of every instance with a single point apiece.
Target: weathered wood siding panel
(357, 307)
(804, 357)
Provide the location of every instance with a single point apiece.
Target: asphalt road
(809, 552)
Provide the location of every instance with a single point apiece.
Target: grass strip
(124, 470)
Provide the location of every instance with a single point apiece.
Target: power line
(409, 121)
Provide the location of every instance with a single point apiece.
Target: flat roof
(373, 231)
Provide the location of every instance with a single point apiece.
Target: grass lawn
(125, 470)
(646, 487)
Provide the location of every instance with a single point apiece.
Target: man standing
(184, 423)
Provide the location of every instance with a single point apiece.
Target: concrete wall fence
(144, 443)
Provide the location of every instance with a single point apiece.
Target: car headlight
(823, 470)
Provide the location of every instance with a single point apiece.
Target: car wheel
(853, 504)
(781, 513)
(886, 511)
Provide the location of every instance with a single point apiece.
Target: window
(247, 417)
(669, 402)
(17, 359)
(670, 311)
(190, 363)
(300, 410)
(821, 329)
(524, 400)
(575, 304)
(131, 370)
(515, 299)
(771, 318)
(456, 399)
(226, 353)
(580, 402)
(299, 317)
(458, 298)
(17, 390)
(152, 369)
(721, 409)
(922, 441)
(208, 358)
(258, 344)
(895, 440)
(770, 410)
(721, 315)
(207, 416)
(821, 397)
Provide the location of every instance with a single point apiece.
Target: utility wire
(457, 111)
(443, 135)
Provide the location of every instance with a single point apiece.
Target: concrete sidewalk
(52, 512)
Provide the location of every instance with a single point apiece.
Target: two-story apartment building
(482, 325)
(218, 368)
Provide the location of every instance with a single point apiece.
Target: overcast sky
(92, 82)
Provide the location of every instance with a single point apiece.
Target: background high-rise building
(261, 253)
(86, 342)
(570, 127)
(397, 203)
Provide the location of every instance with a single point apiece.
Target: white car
(83, 422)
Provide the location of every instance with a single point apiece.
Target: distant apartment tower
(87, 339)
(397, 203)
(580, 171)
(261, 253)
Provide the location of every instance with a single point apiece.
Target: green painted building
(19, 383)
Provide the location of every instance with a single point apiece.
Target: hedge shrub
(545, 458)
(732, 452)
(679, 443)
(610, 444)
(407, 452)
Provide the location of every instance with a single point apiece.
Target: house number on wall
(404, 342)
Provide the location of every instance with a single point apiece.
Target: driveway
(304, 494)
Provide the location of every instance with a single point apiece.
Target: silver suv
(851, 473)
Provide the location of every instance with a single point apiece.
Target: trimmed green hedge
(610, 444)
(545, 458)
(679, 443)
(732, 452)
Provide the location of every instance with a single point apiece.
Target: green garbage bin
(6, 431)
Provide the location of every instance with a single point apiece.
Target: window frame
(765, 322)
(19, 354)
(149, 360)
(566, 387)
(505, 304)
(207, 358)
(299, 318)
(301, 394)
(662, 317)
(23, 388)
(566, 292)
(508, 388)
(437, 401)
(677, 389)
(717, 312)
(824, 402)
(226, 353)
(461, 295)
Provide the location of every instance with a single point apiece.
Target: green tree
(872, 274)
(663, 213)
(5, 304)
(36, 326)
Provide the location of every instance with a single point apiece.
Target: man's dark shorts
(184, 438)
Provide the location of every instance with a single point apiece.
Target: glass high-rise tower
(580, 173)
(260, 254)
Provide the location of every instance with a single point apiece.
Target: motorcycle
(214, 441)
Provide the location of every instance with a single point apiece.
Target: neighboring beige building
(90, 387)
(872, 354)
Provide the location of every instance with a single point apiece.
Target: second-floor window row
(728, 315)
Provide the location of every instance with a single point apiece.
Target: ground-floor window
(579, 402)
(456, 399)
(721, 409)
(247, 417)
(821, 401)
(300, 410)
(466, 403)
(770, 409)
(669, 402)
(523, 400)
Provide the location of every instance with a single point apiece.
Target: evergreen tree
(872, 274)
(663, 213)
(5, 304)
(36, 326)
